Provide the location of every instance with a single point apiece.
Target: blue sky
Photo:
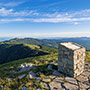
(44, 18)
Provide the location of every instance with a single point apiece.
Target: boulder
(22, 76)
(49, 67)
(12, 72)
(24, 88)
(46, 79)
(38, 78)
(9, 79)
(25, 67)
(44, 85)
(32, 75)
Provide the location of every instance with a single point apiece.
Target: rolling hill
(52, 43)
(10, 52)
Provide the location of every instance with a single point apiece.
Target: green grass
(88, 56)
(32, 46)
(38, 61)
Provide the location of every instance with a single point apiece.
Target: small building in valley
(71, 58)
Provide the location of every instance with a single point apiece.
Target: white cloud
(50, 20)
(81, 13)
(75, 23)
(23, 13)
(57, 17)
(4, 12)
(12, 3)
(10, 12)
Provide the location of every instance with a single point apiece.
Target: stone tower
(71, 58)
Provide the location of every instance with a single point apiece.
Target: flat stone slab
(71, 45)
(81, 82)
(85, 73)
(82, 78)
(60, 84)
(55, 86)
(71, 80)
(69, 86)
(84, 86)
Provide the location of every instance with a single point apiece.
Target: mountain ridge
(52, 43)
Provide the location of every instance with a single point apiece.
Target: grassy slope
(52, 56)
(39, 61)
(88, 56)
(10, 52)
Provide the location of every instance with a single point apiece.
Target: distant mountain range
(84, 41)
(42, 42)
(4, 38)
(50, 42)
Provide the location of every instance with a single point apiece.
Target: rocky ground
(82, 82)
(57, 80)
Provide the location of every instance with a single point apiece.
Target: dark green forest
(10, 52)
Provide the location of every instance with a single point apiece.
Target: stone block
(71, 58)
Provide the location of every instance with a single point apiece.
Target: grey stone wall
(71, 62)
(79, 61)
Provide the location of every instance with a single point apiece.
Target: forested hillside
(10, 52)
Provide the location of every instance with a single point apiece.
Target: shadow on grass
(16, 57)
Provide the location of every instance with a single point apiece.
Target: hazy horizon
(9, 38)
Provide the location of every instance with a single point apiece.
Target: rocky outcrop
(81, 82)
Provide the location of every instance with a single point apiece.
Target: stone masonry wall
(71, 62)
(79, 57)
